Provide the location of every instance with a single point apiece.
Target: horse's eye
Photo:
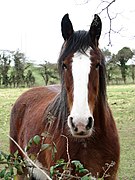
(97, 65)
(64, 66)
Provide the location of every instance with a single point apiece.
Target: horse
(74, 116)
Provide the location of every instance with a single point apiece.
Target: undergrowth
(14, 165)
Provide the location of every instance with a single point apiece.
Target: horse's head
(79, 63)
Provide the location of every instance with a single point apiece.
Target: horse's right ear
(66, 27)
(95, 29)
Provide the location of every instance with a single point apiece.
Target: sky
(34, 26)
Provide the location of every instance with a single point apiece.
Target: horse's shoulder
(38, 94)
(54, 88)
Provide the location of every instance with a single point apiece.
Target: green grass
(7, 98)
(122, 101)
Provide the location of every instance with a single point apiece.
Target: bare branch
(106, 8)
(69, 159)
(107, 5)
(67, 144)
(81, 3)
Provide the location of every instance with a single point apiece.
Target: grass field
(122, 101)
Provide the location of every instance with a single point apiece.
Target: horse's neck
(102, 114)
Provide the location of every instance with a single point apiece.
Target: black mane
(79, 42)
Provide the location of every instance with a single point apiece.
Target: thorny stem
(67, 146)
(107, 169)
(68, 155)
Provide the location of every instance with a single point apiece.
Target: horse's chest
(87, 155)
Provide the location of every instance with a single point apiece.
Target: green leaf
(86, 177)
(45, 134)
(19, 170)
(16, 154)
(2, 173)
(83, 170)
(29, 145)
(1, 156)
(60, 161)
(36, 139)
(11, 171)
(7, 176)
(54, 148)
(77, 164)
(79, 167)
(51, 171)
(8, 157)
(59, 165)
(30, 142)
(45, 146)
(32, 157)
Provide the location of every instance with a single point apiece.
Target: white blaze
(81, 66)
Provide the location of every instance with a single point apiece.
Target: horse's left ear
(95, 30)
(66, 27)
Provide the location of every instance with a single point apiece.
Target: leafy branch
(14, 164)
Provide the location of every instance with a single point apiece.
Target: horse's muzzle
(80, 127)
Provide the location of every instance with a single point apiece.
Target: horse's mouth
(82, 134)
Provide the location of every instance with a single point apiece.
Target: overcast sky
(33, 26)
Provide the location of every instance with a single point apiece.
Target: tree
(19, 60)
(122, 57)
(107, 54)
(111, 66)
(20, 66)
(133, 67)
(133, 72)
(12, 79)
(5, 60)
(29, 79)
(47, 71)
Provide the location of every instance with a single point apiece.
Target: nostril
(90, 122)
(71, 119)
(73, 125)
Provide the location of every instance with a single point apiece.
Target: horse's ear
(66, 27)
(95, 30)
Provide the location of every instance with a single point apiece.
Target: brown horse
(75, 114)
